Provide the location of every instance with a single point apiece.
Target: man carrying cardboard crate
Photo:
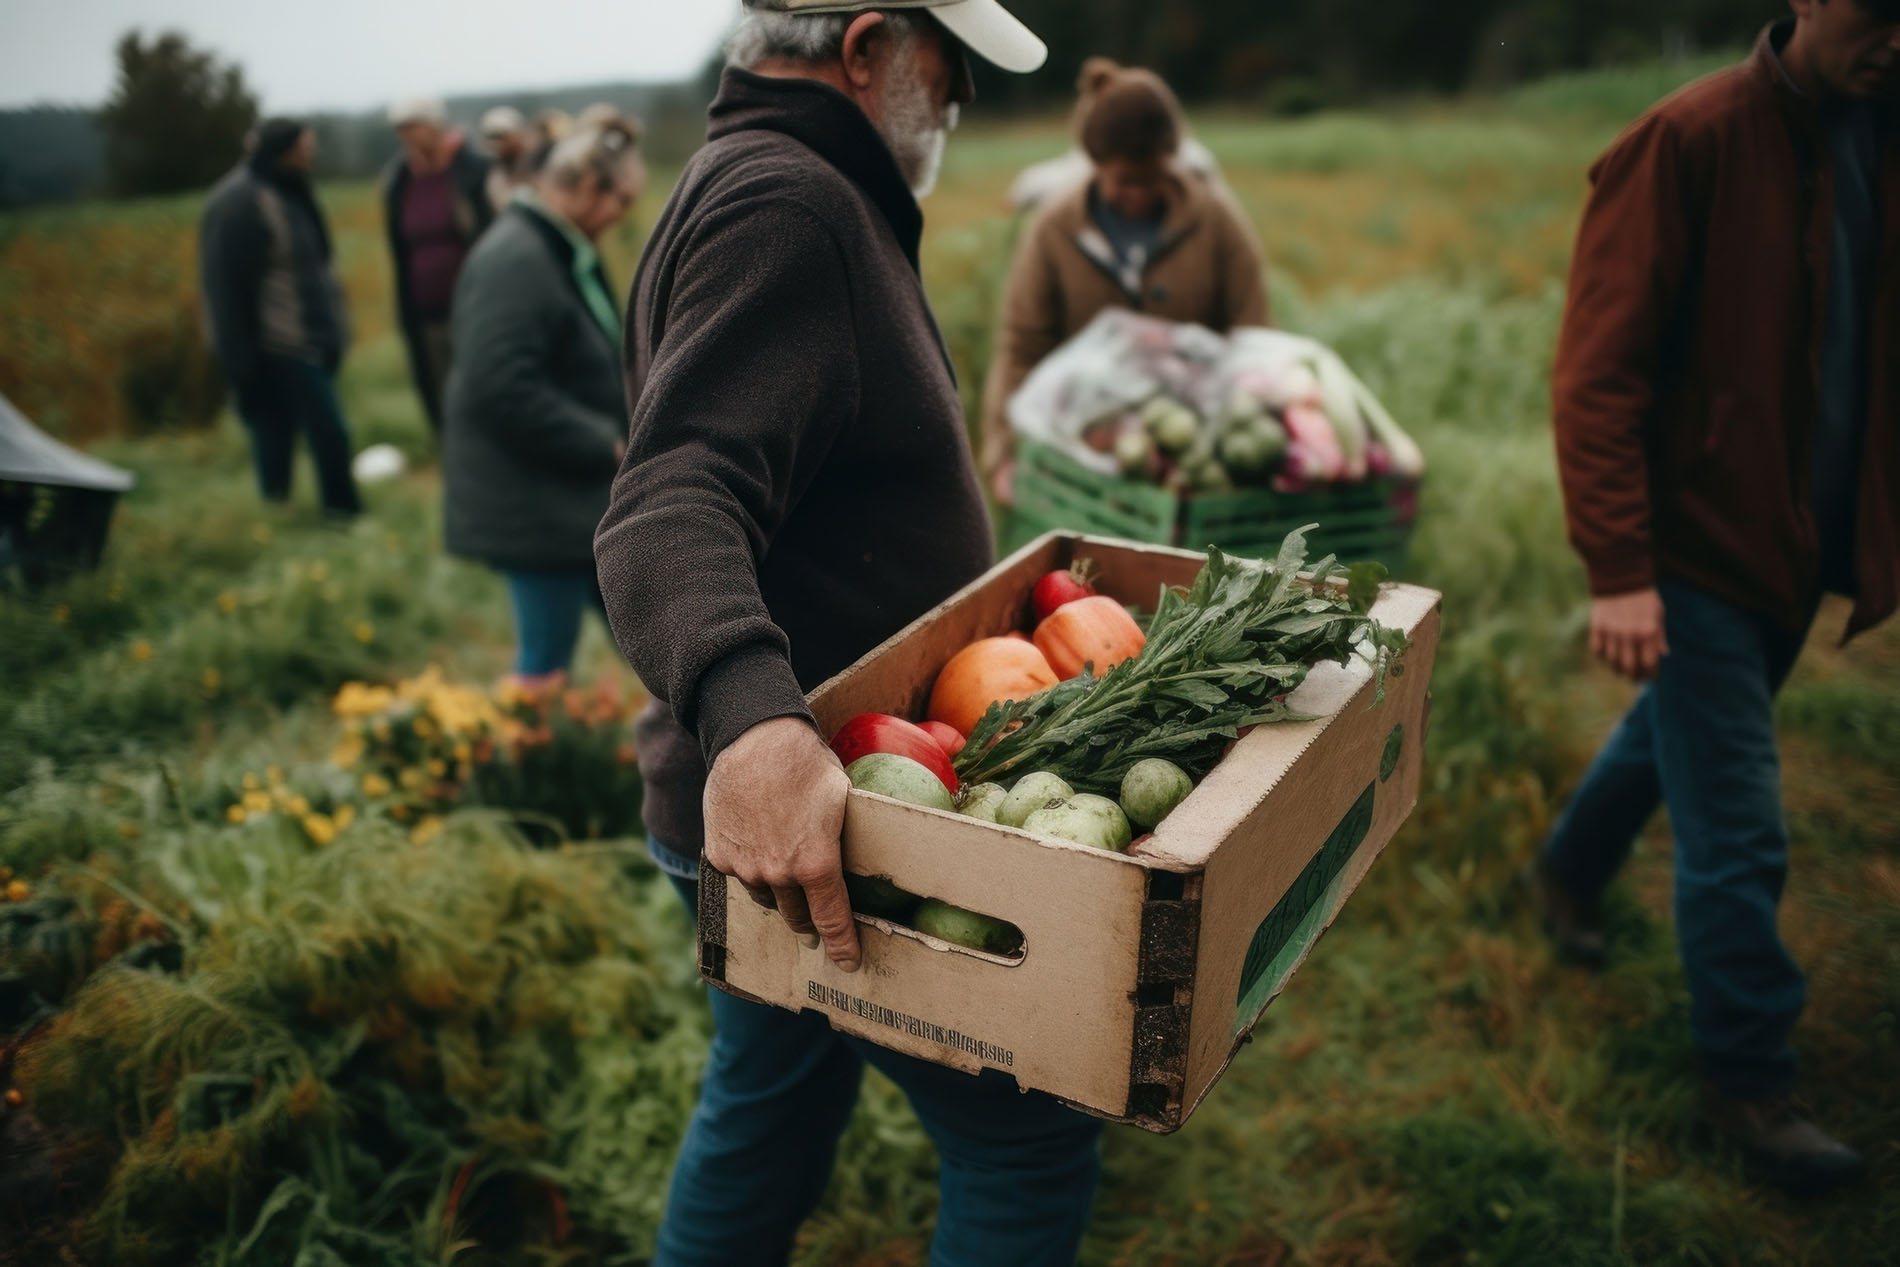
(797, 488)
(1728, 429)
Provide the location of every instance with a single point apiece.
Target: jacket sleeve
(1243, 272)
(506, 323)
(1625, 284)
(751, 373)
(234, 253)
(393, 184)
(1028, 329)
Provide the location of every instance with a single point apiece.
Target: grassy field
(390, 1041)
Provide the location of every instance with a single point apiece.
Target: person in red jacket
(1728, 433)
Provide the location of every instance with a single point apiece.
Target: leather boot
(1781, 1144)
(1576, 927)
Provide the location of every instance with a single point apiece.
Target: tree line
(177, 116)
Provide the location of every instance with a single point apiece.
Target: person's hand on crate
(1003, 484)
(774, 815)
(1626, 632)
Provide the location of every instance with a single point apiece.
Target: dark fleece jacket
(798, 484)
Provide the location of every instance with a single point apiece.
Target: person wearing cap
(798, 486)
(536, 417)
(435, 205)
(1727, 412)
(277, 313)
(1142, 233)
(510, 145)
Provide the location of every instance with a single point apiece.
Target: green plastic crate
(1358, 522)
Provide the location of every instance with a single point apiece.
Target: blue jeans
(1701, 739)
(549, 607)
(283, 398)
(1017, 1173)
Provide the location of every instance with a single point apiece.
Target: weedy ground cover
(381, 1051)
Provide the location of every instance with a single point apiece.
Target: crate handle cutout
(1296, 918)
(878, 891)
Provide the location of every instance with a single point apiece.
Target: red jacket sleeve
(1632, 255)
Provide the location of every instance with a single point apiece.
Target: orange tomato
(984, 673)
(1097, 631)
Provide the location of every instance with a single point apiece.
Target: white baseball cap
(502, 120)
(985, 26)
(418, 110)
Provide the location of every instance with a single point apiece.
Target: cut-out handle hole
(878, 902)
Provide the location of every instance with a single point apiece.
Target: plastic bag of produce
(1100, 382)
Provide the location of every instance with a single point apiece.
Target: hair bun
(1097, 74)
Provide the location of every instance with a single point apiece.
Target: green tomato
(984, 801)
(1083, 820)
(899, 778)
(1152, 790)
(966, 928)
(1031, 793)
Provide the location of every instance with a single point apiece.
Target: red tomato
(880, 732)
(1055, 589)
(945, 734)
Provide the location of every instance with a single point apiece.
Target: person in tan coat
(1141, 234)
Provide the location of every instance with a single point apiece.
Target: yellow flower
(251, 783)
(380, 731)
(320, 828)
(359, 700)
(257, 802)
(376, 786)
(365, 632)
(425, 830)
(260, 533)
(400, 813)
(18, 891)
(411, 779)
(227, 602)
(297, 806)
(141, 651)
(424, 728)
(129, 829)
(213, 680)
(462, 751)
(348, 751)
(438, 768)
(235, 814)
(62, 614)
(344, 816)
(319, 571)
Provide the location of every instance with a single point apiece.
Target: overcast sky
(353, 54)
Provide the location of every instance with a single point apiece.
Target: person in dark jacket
(277, 314)
(436, 205)
(1727, 398)
(536, 416)
(799, 486)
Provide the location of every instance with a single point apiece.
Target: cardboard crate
(1141, 974)
(1372, 521)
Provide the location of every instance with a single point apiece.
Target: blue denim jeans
(549, 608)
(1701, 739)
(285, 398)
(1017, 1173)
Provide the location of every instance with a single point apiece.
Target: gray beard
(916, 134)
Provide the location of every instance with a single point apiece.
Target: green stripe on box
(1301, 913)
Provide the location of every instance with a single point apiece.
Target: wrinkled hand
(774, 812)
(1626, 633)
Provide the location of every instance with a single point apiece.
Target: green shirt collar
(586, 263)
